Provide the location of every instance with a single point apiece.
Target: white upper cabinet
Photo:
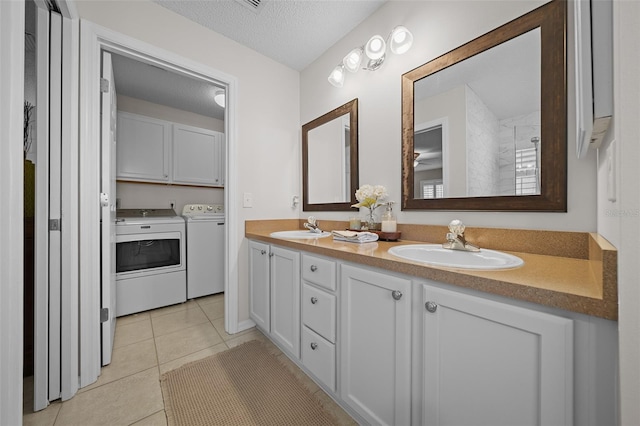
(142, 148)
(196, 156)
(153, 150)
(489, 363)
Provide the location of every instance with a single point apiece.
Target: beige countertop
(568, 270)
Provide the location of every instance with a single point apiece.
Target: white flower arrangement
(369, 195)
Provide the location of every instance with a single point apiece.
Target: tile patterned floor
(147, 345)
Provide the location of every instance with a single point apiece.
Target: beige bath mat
(245, 385)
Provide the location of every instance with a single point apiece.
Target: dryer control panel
(206, 210)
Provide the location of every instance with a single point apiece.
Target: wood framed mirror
(484, 126)
(330, 160)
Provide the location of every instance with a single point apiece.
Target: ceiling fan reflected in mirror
(427, 160)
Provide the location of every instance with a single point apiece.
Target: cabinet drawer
(319, 356)
(319, 311)
(319, 271)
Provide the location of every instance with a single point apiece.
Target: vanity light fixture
(220, 98)
(337, 76)
(399, 41)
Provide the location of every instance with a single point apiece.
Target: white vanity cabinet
(154, 150)
(274, 294)
(375, 345)
(394, 349)
(143, 148)
(319, 316)
(198, 156)
(490, 363)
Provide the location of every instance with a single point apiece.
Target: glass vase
(370, 221)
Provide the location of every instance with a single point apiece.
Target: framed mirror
(484, 126)
(330, 160)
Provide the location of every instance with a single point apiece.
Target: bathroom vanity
(398, 342)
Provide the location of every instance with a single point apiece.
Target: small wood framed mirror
(330, 160)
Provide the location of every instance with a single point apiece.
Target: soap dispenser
(389, 223)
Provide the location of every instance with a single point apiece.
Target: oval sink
(299, 234)
(434, 254)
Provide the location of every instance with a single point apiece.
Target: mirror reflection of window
(431, 189)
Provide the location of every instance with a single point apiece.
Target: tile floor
(147, 345)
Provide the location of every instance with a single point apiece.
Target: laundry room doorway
(94, 41)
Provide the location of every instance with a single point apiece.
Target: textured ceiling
(153, 84)
(292, 32)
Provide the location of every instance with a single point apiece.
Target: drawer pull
(396, 294)
(314, 300)
(314, 346)
(431, 306)
(263, 251)
(313, 268)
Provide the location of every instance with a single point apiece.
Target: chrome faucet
(455, 238)
(312, 225)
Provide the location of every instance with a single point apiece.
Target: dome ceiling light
(220, 98)
(399, 41)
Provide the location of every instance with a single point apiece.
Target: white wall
(268, 121)
(438, 27)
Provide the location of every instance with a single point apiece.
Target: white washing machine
(205, 249)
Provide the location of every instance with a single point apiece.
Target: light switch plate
(247, 200)
(611, 171)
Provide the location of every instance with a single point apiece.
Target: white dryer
(205, 249)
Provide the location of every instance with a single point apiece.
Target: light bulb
(375, 47)
(220, 98)
(353, 59)
(337, 76)
(400, 40)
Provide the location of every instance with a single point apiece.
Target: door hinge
(104, 85)
(104, 315)
(54, 224)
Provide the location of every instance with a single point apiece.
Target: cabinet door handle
(270, 254)
(314, 346)
(314, 268)
(431, 306)
(396, 294)
(314, 300)
(263, 252)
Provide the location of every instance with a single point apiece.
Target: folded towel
(354, 237)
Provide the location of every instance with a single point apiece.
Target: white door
(41, 288)
(285, 299)
(55, 206)
(375, 345)
(108, 207)
(259, 284)
(489, 363)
